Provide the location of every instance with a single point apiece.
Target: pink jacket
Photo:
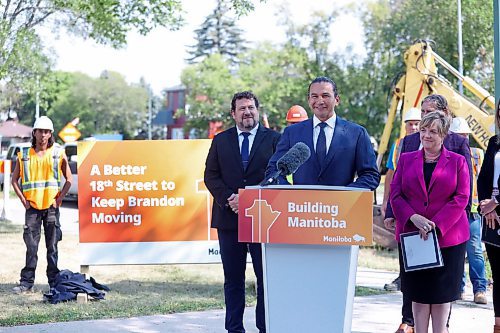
(444, 203)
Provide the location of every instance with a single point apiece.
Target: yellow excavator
(421, 79)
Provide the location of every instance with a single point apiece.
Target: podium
(310, 237)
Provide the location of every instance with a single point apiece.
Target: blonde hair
(441, 119)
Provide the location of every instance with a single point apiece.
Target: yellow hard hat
(296, 114)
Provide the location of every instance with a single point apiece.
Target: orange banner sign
(305, 216)
(143, 191)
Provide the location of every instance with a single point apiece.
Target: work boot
(22, 289)
(395, 285)
(480, 298)
(405, 328)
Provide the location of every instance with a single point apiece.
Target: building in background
(166, 118)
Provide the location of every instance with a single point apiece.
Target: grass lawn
(136, 290)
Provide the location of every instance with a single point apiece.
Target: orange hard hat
(296, 114)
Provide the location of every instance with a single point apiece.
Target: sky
(159, 56)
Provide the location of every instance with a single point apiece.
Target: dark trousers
(34, 219)
(234, 257)
(494, 258)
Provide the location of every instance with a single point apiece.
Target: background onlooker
(477, 272)
(488, 183)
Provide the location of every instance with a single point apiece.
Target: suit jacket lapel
(234, 145)
(440, 167)
(307, 138)
(419, 169)
(338, 138)
(259, 136)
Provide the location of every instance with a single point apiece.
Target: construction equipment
(420, 80)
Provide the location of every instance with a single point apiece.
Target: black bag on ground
(68, 285)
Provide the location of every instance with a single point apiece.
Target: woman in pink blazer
(430, 190)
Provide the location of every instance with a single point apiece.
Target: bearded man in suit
(237, 158)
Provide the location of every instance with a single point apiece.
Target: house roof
(13, 129)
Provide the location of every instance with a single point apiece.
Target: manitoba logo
(263, 217)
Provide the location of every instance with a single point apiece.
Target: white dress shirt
(251, 137)
(329, 129)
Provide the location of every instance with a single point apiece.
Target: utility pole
(496, 28)
(150, 111)
(460, 53)
(37, 98)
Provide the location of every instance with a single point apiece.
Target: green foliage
(210, 85)
(276, 75)
(104, 105)
(109, 21)
(392, 26)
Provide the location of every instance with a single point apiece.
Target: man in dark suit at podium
(340, 149)
(238, 158)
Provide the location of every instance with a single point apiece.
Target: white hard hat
(44, 122)
(412, 114)
(459, 125)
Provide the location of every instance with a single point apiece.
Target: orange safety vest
(40, 176)
(477, 156)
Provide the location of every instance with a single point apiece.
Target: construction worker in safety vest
(412, 120)
(295, 114)
(36, 179)
(477, 271)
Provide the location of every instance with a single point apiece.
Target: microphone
(289, 163)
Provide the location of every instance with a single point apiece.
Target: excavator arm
(421, 79)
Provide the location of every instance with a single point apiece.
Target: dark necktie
(321, 144)
(244, 150)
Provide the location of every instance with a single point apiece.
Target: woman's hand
(390, 223)
(423, 224)
(487, 206)
(492, 219)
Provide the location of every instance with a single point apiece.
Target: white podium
(309, 287)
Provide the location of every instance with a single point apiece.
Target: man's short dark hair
(320, 79)
(246, 95)
(439, 101)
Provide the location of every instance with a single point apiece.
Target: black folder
(490, 236)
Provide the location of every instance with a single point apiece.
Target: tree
(106, 21)
(278, 76)
(210, 85)
(104, 105)
(218, 34)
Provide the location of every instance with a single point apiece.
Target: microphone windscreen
(294, 158)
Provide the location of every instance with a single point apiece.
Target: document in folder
(419, 253)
